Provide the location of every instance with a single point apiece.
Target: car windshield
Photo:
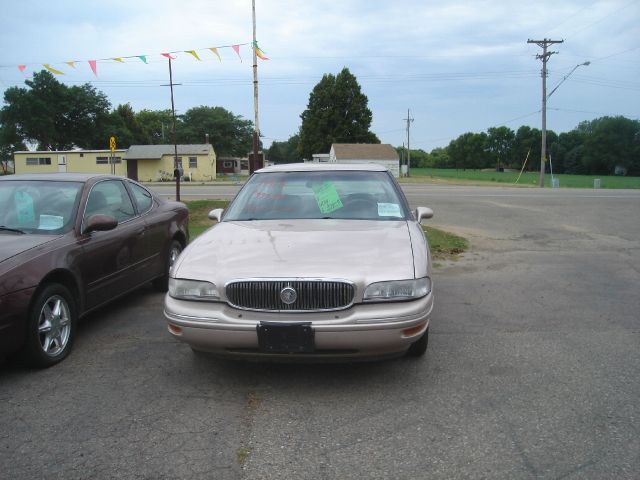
(37, 206)
(354, 195)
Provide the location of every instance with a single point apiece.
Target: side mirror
(99, 223)
(422, 213)
(216, 214)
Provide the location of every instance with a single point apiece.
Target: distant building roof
(150, 152)
(364, 151)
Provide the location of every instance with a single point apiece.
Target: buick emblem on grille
(288, 295)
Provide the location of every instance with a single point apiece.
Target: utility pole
(256, 125)
(544, 57)
(409, 120)
(177, 169)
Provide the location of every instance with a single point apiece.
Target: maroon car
(70, 243)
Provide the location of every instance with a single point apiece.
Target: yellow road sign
(112, 144)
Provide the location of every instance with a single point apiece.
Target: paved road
(532, 371)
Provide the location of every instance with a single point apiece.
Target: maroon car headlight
(193, 290)
(397, 290)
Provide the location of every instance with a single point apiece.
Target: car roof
(324, 167)
(56, 176)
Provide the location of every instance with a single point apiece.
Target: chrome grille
(312, 295)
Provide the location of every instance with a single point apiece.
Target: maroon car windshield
(38, 206)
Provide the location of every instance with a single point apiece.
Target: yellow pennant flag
(215, 51)
(118, 59)
(193, 52)
(260, 54)
(51, 69)
(71, 64)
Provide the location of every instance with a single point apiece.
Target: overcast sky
(459, 66)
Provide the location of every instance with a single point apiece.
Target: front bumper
(363, 330)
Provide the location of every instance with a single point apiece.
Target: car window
(143, 197)
(110, 197)
(38, 206)
(354, 195)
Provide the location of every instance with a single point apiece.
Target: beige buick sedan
(310, 261)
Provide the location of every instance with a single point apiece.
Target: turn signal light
(410, 332)
(176, 330)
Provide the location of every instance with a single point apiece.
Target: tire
(161, 284)
(419, 347)
(52, 325)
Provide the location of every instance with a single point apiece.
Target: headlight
(397, 290)
(193, 290)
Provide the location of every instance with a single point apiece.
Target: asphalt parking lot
(531, 372)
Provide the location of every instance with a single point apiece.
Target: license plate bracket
(278, 337)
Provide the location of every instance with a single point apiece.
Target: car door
(157, 231)
(110, 259)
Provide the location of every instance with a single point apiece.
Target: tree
(284, 152)
(123, 124)
(54, 116)
(439, 158)
(612, 142)
(469, 150)
(527, 146)
(419, 158)
(568, 155)
(500, 143)
(337, 112)
(229, 134)
(156, 125)
(10, 142)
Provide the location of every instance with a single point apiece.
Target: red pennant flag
(168, 55)
(21, 68)
(92, 64)
(236, 48)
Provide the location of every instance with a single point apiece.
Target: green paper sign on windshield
(327, 197)
(24, 208)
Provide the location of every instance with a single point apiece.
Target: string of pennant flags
(93, 64)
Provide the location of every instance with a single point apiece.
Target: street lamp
(585, 64)
(545, 97)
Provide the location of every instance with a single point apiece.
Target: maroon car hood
(12, 244)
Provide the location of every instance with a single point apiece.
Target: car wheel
(161, 284)
(419, 347)
(52, 325)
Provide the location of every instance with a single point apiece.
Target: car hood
(12, 244)
(358, 250)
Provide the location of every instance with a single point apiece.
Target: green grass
(444, 245)
(448, 175)
(198, 215)
(243, 454)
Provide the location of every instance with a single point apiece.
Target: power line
(571, 17)
(608, 114)
(616, 84)
(601, 19)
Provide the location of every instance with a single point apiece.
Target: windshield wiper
(9, 229)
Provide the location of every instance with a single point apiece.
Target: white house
(382, 154)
